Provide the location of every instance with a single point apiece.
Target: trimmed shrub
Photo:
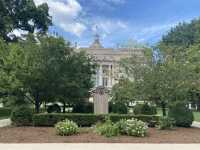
(22, 116)
(132, 127)
(85, 107)
(166, 123)
(66, 127)
(55, 108)
(144, 109)
(86, 119)
(118, 108)
(182, 115)
(107, 129)
(53, 118)
(5, 112)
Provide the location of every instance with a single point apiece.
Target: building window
(105, 69)
(105, 82)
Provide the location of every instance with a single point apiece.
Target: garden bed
(48, 135)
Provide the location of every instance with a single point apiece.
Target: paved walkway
(196, 124)
(5, 122)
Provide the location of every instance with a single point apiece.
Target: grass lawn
(159, 111)
(4, 117)
(196, 116)
(4, 113)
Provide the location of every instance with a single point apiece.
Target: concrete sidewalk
(196, 124)
(5, 122)
(99, 146)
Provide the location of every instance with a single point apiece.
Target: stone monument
(100, 95)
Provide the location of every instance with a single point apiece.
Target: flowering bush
(107, 129)
(66, 127)
(132, 127)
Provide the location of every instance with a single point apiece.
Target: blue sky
(118, 20)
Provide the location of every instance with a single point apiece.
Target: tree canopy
(172, 77)
(22, 15)
(45, 71)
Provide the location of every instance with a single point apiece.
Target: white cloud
(106, 4)
(64, 13)
(76, 28)
(157, 28)
(150, 33)
(107, 26)
(116, 1)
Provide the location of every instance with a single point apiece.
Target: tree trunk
(163, 105)
(37, 103)
(64, 106)
(197, 105)
(45, 106)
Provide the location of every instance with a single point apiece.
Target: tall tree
(176, 42)
(181, 45)
(22, 15)
(47, 71)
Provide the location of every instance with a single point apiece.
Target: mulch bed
(47, 135)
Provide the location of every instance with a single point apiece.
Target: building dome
(96, 43)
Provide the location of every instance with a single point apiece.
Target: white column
(97, 78)
(113, 74)
(109, 76)
(100, 76)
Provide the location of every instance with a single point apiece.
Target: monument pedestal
(100, 95)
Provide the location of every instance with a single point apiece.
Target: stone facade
(108, 72)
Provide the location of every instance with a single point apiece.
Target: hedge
(86, 119)
(22, 116)
(5, 112)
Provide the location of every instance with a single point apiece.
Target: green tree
(23, 15)
(177, 41)
(161, 82)
(46, 70)
(167, 82)
(181, 45)
(133, 70)
(123, 92)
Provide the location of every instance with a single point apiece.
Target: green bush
(119, 108)
(145, 118)
(55, 108)
(22, 116)
(46, 119)
(66, 127)
(53, 118)
(5, 112)
(144, 109)
(107, 129)
(166, 123)
(132, 127)
(85, 107)
(181, 114)
(121, 124)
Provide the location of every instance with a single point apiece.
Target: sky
(118, 21)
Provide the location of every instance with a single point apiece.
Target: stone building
(108, 72)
